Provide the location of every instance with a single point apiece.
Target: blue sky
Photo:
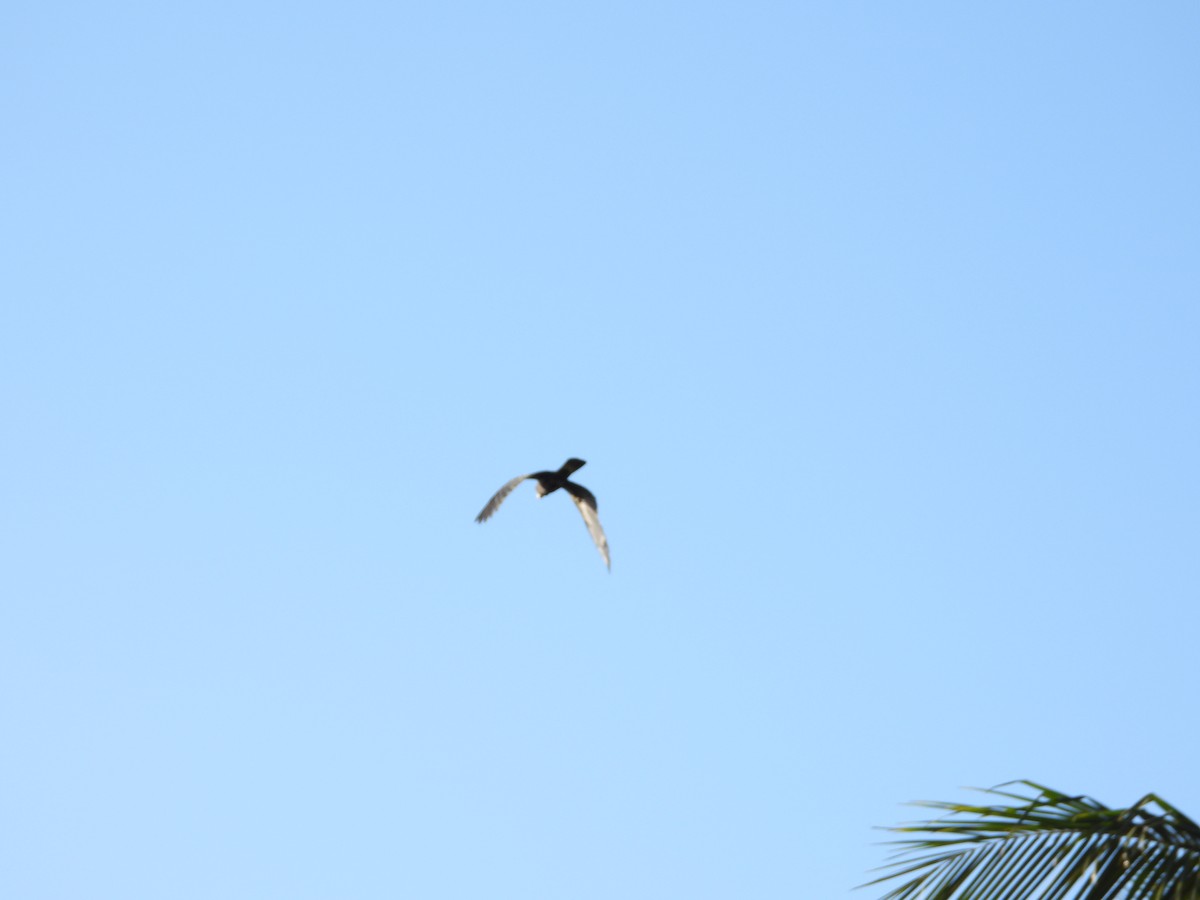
(877, 326)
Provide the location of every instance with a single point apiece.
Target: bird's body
(548, 483)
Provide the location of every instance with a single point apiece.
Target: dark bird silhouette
(548, 483)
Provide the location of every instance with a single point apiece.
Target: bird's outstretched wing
(587, 508)
(498, 498)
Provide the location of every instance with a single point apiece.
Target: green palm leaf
(1048, 846)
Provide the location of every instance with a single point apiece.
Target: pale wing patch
(498, 498)
(592, 521)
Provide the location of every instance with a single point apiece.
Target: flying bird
(548, 483)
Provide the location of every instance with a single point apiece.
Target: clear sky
(877, 324)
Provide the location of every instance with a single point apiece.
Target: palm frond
(1047, 846)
